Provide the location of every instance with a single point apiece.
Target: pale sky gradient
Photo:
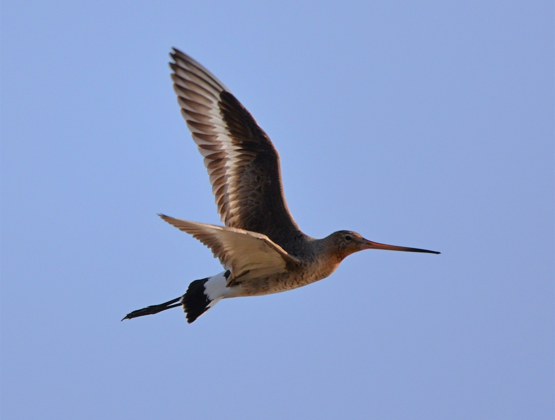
(426, 124)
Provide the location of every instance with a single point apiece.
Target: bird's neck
(326, 260)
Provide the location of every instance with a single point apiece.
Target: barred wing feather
(241, 161)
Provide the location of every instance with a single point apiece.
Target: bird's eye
(348, 237)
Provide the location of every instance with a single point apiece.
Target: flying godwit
(261, 248)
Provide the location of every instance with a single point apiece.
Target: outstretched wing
(248, 255)
(240, 158)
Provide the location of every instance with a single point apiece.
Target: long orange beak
(376, 245)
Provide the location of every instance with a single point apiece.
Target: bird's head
(345, 242)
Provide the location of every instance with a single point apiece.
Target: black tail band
(195, 301)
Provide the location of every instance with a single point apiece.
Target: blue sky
(425, 124)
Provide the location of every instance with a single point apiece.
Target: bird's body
(261, 247)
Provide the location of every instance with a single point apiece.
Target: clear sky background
(417, 123)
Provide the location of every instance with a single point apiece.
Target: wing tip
(175, 52)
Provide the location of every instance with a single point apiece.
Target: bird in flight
(261, 248)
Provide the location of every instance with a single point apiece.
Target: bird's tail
(204, 294)
(200, 296)
(195, 301)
